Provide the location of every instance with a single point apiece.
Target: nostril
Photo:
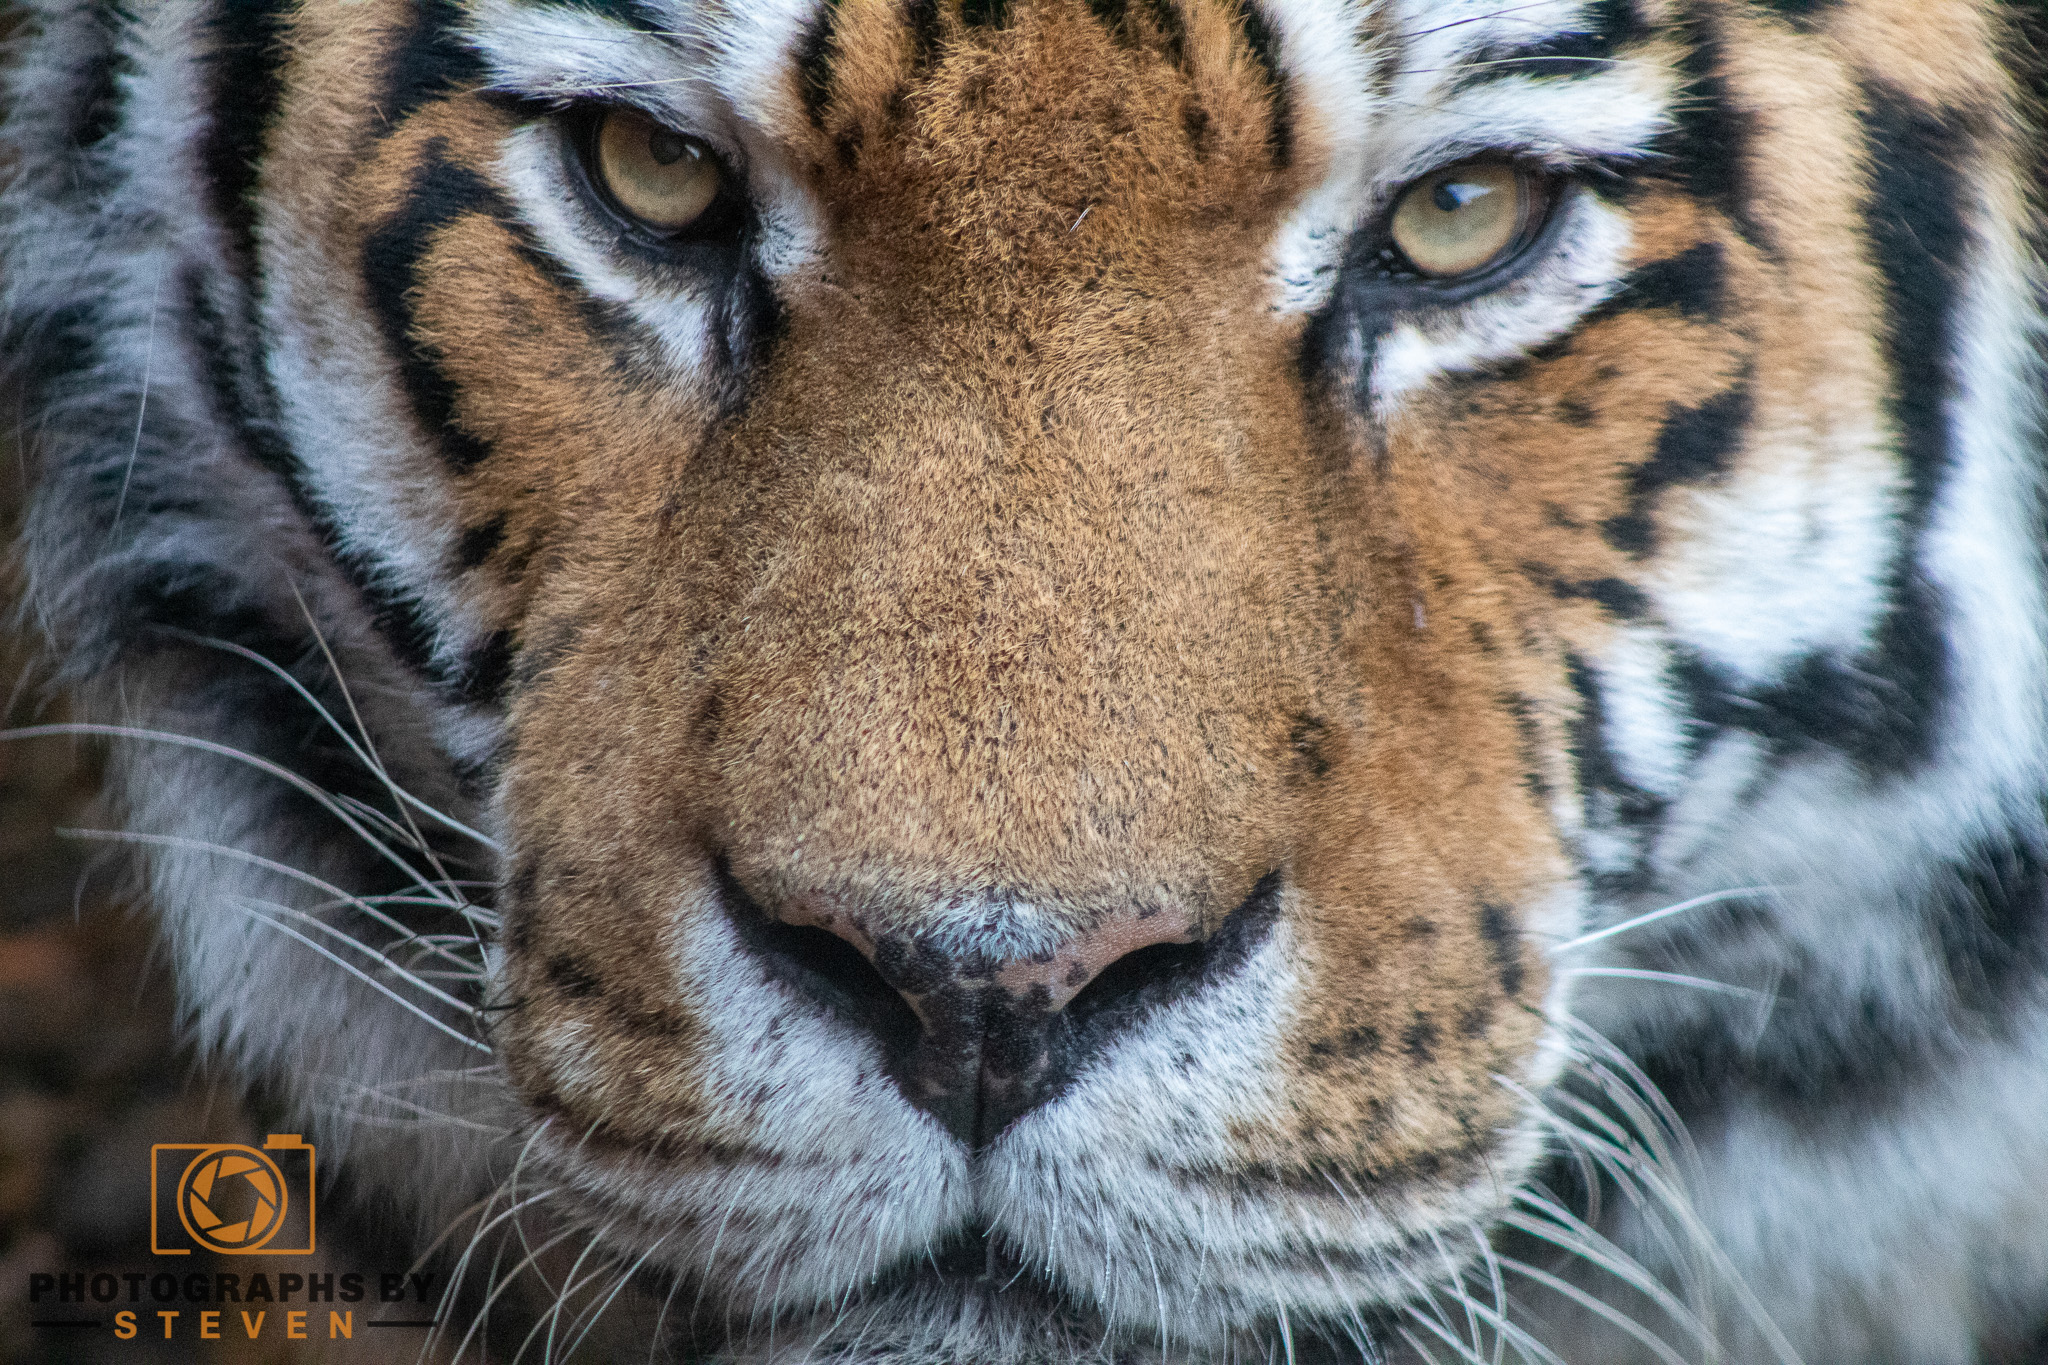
(1121, 986)
(1158, 973)
(823, 966)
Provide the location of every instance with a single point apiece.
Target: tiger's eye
(662, 178)
(1464, 217)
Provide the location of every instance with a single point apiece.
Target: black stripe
(479, 541)
(633, 14)
(1590, 756)
(1881, 708)
(98, 64)
(485, 670)
(244, 83)
(48, 357)
(814, 57)
(1848, 1045)
(925, 31)
(1692, 283)
(1265, 50)
(1920, 182)
(1619, 596)
(1804, 14)
(429, 61)
(1497, 927)
(440, 192)
(177, 602)
(245, 404)
(1612, 801)
(1696, 443)
(1156, 22)
(1584, 49)
(1709, 146)
(1172, 29)
(985, 13)
(1878, 707)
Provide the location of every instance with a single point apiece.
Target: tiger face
(1068, 621)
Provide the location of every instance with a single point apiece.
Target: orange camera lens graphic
(232, 1199)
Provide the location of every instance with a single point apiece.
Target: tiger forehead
(1029, 124)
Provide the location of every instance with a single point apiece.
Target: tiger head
(1062, 613)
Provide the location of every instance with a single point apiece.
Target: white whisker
(1740, 893)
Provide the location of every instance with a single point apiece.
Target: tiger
(1054, 682)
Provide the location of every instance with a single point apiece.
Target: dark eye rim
(722, 226)
(1388, 266)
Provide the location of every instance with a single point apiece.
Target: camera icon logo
(232, 1199)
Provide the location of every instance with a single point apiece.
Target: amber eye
(659, 176)
(1466, 217)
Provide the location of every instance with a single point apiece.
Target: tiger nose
(973, 1039)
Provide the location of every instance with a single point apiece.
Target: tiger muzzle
(974, 1039)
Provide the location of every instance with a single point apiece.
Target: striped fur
(611, 726)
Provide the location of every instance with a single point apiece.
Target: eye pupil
(667, 147)
(662, 179)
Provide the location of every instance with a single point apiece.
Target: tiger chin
(1003, 681)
